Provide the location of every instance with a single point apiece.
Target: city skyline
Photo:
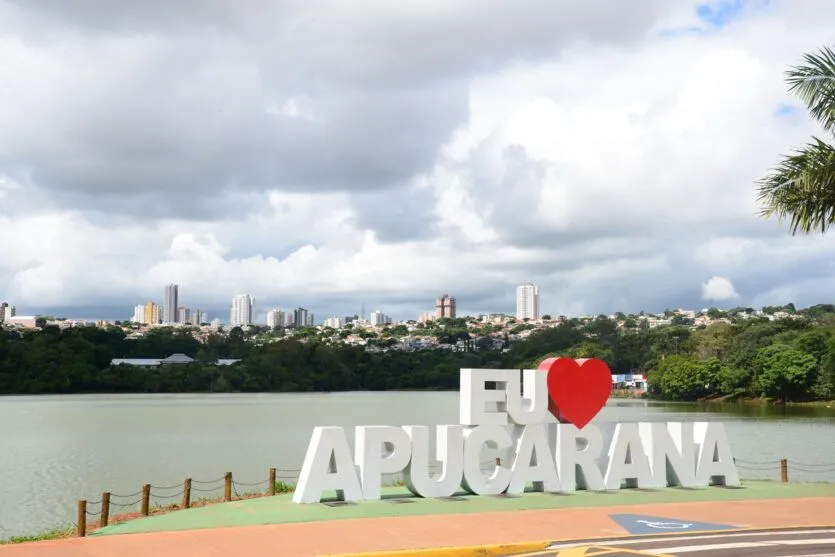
(609, 156)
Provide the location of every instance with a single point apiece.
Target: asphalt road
(793, 542)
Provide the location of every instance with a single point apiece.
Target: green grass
(281, 510)
(54, 534)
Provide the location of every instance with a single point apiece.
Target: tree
(802, 186)
(679, 378)
(784, 371)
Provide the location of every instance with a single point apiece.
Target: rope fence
(278, 481)
(282, 480)
(784, 466)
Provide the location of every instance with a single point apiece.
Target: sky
(331, 154)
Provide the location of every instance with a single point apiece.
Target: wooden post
(146, 499)
(498, 461)
(784, 470)
(82, 518)
(227, 487)
(187, 493)
(105, 509)
(271, 482)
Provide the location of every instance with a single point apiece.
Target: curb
(498, 550)
(469, 551)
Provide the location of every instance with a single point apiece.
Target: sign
(640, 524)
(560, 456)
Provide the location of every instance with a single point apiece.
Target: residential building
(169, 304)
(527, 302)
(335, 322)
(183, 315)
(151, 314)
(198, 317)
(379, 318)
(241, 311)
(302, 318)
(445, 307)
(426, 316)
(138, 314)
(6, 311)
(275, 318)
(22, 321)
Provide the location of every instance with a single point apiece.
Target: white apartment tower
(527, 302)
(169, 305)
(379, 318)
(139, 314)
(275, 318)
(240, 313)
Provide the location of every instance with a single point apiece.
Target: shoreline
(64, 532)
(157, 509)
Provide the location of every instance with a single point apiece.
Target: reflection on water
(55, 450)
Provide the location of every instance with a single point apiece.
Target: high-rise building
(241, 310)
(527, 302)
(445, 307)
(138, 314)
(335, 322)
(300, 318)
(169, 304)
(198, 317)
(6, 311)
(379, 318)
(275, 318)
(151, 314)
(183, 315)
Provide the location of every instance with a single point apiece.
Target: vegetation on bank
(54, 534)
(790, 359)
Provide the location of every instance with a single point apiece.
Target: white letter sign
(516, 417)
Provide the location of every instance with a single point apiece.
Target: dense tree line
(78, 360)
(786, 359)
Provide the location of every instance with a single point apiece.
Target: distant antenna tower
(362, 312)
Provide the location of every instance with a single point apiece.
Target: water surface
(55, 450)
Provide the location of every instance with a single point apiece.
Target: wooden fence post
(187, 493)
(146, 499)
(271, 482)
(227, 487)
(784, 470)
(105, 509)
(498, 461)
(82, 518)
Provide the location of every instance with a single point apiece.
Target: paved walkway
(811, 542)
(475, 522)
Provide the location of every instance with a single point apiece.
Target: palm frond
(802, 188)
(814, 83)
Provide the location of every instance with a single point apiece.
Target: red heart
(577, 389)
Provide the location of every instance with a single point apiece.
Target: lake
(55, 450)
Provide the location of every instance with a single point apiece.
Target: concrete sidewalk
(382, 526)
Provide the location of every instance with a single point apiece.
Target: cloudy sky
(330, 153)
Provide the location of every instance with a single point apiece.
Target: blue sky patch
(784, 109)
(681, 31)
(719, 14)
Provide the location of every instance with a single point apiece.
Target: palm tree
(802, 186)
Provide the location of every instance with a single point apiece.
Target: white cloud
(610, 171)
(718, 289)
